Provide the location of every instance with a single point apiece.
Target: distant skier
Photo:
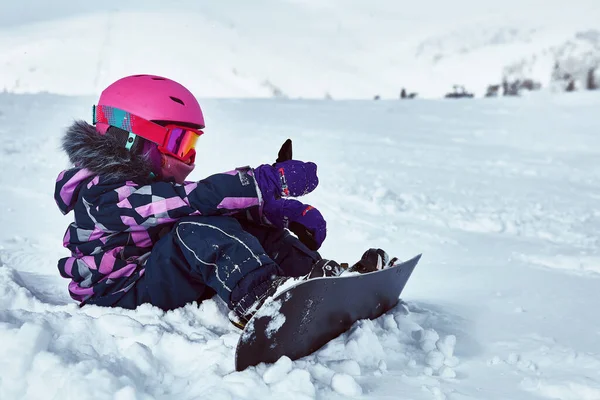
(142, 234)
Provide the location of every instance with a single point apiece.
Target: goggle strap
(130, 141)
(94, 115)
(131, 123)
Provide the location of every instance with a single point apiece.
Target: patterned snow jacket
(117, 224)
(118, 221)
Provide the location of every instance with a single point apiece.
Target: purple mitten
(304, 220)
(288, 178)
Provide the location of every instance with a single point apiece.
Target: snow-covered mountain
(573, 62)
(290, 48)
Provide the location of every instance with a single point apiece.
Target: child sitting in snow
(142, 234)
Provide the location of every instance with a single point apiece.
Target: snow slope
(294, 48)
(500, 195)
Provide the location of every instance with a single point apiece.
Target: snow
(344, 49)
(271, 309)
(498, 194)
(277, 371)
(346, 385)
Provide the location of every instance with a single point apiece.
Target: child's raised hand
(290, 178)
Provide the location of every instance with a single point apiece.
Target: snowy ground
(500, 195)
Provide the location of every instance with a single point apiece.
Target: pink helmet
(153, 98)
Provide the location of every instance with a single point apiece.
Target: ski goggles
(174, 140)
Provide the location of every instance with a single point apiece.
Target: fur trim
(104, 155)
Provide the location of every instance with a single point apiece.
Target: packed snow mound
(498, 194)
(63, 351)
(300, 49)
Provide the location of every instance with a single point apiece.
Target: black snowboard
(303, 318)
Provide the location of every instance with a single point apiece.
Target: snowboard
(304, 317)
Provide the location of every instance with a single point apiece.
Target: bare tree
(591, 79)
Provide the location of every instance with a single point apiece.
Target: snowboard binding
(247, 307)
(372, 260)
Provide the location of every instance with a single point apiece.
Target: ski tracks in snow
(549, 369)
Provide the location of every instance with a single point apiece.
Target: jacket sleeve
(141, 207)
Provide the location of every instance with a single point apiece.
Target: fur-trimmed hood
(104, 155)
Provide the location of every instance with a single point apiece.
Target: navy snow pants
(202, 256)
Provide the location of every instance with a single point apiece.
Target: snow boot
(326, 269)
(248, 305)
(373, 260)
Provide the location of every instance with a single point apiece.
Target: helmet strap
(130, 141)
